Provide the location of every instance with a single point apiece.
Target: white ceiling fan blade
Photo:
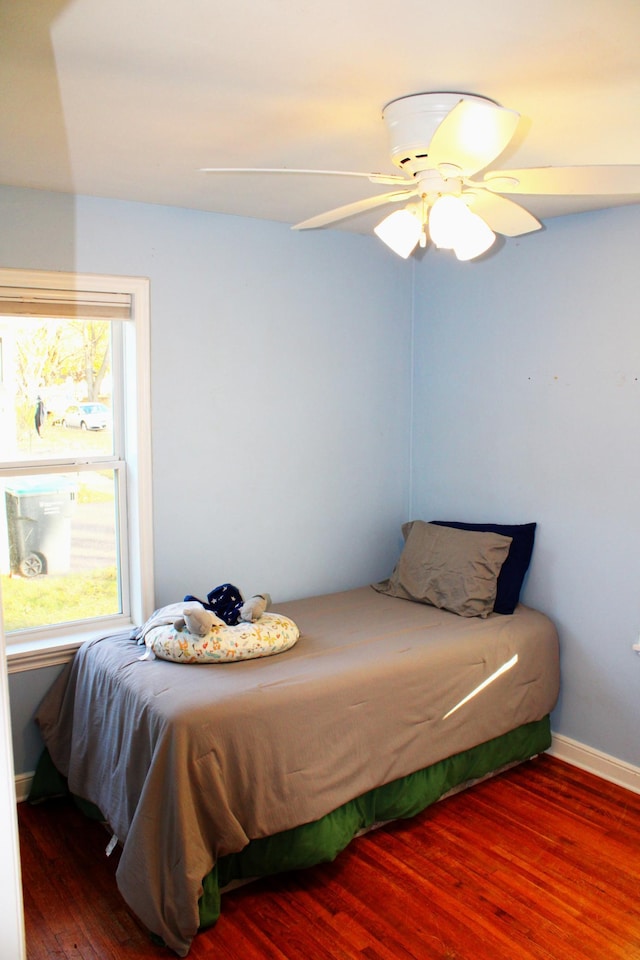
(502, 215)
(471, 136)
(350, 209)
(568, 181)
(389, 178)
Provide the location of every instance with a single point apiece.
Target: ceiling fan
(439, 141)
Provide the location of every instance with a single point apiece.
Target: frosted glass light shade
(446, 221)
(400, 231)
(475, 239)
(452, 226)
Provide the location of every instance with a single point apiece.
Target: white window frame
(56, 644)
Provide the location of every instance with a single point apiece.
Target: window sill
(33, 654)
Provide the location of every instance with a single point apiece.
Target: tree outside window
(68, 524)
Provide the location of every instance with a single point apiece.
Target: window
(75, 465)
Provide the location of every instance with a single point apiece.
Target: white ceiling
(130, 98)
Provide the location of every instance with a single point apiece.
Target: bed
(208, 774)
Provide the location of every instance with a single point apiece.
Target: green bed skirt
(322, 840)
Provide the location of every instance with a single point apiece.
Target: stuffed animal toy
(253, 608)
(197, 620)
(227, 603)
(225, 607)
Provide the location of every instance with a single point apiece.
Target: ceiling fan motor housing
(412, 121)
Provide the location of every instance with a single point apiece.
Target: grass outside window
(58, 599)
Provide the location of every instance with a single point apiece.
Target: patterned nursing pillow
(270, 634)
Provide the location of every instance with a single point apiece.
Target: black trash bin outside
(39, 511)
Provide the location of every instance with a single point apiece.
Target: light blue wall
(280, 394)
(281, 372)
(527, 407)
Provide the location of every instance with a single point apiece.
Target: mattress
(192, 763)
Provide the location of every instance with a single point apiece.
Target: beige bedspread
(190, 762)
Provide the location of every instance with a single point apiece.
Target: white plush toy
(253, 608)
(199, 621)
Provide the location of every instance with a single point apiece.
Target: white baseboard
(23, 786)
(594, 761)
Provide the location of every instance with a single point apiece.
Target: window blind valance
(52, 303)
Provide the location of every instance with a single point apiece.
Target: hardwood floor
(541, 863)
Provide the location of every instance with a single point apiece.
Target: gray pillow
(453, 569)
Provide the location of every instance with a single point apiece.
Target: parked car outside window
(87, 416)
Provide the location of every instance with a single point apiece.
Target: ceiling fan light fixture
(439, 141)
(447, 221)
(400, 231)
(475, 240)
(452, 226)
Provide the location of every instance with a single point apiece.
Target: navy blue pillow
(512, 574)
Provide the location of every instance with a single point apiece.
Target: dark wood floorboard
(540, 863)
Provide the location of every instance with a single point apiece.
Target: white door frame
(12, 940)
